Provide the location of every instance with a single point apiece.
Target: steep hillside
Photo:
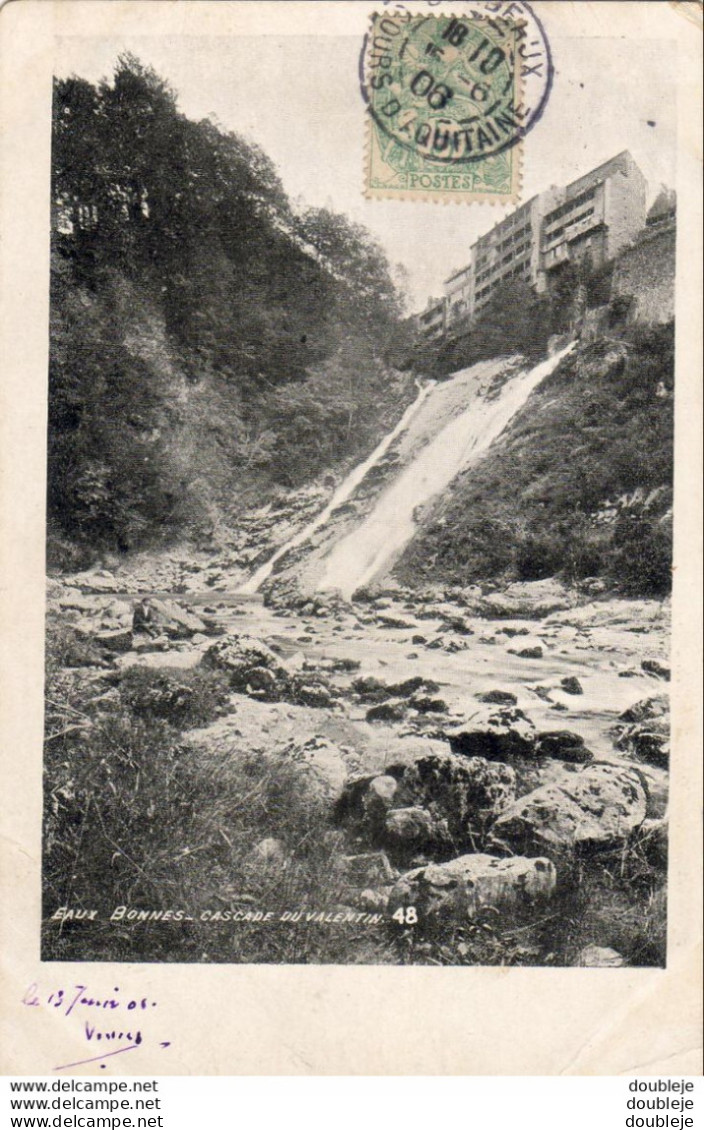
(210, 344)
(580, 484)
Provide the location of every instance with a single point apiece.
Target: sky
(298, 97)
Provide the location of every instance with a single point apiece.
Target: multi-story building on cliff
(595, 216)
(432, 319)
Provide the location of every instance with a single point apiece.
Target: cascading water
(343, 492)
(362, 554)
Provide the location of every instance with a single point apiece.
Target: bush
(135, 818)
(182, 698)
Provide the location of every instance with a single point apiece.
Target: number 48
(406, 916)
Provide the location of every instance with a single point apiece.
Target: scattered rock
(461, 795)
(600, 957)
(426, 705)
(176, 621)
(409, 827)
(467, 793)
(369, 869)
(654, 707)
(410, 686)
(654, 667)
(387, 712)
(311, 694)
(563, 745)
(240, 656)
(344, 665)
(370, 689)
(571, 685)
(393, 622)
(647, 742)
(377, 799)
(499, 698)
(118, 640)
(96, 580)
(600, 805)
(326, 764)
(461, 888)
(373, 901)
(643, 731)
(527, 600)
(653, 840)
(458, 624)
(270, 851)
(497, 734)
(534, 652)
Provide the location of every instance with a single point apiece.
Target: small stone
(600, 957)
(571, 685)
(270, 850)
(409, 826)
(368, 869)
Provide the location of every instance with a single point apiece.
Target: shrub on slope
(580, 483)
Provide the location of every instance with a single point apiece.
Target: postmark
(450, 96)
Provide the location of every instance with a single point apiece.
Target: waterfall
(363, 553)
(343, 492)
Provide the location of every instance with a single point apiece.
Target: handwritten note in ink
(110, 1023)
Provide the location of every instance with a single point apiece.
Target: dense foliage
(516, 319)
(580, 483)
(202, 329)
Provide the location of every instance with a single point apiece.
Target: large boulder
(469, 793)
(494, 732)
(461, 888)
(656, 706)
(117, 639)
(462, 797)
(647, 742)
(563, 745)
(176, 621)
(387, 712)
(643, 731)
(600, 957)
(598, 806)
(529, 600)
(410, 828)
(242, 659)
(325, 763)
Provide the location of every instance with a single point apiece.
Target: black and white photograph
(359, 509)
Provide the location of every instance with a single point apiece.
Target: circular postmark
(456, 88)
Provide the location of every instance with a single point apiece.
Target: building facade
(432, 320)
(595, 216)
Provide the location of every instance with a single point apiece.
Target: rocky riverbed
(474, 749)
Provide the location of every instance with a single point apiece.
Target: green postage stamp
(445, 111)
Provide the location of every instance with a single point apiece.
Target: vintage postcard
(350, 550)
